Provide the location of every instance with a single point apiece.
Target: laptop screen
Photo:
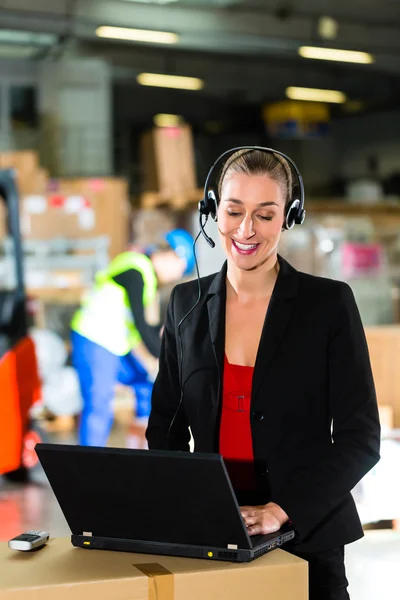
(169, 497)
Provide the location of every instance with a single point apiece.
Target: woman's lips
(244, 249)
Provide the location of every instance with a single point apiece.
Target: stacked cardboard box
(168, 166)
(71, 208)
(384, 349)
(79, 208)
(31, 178)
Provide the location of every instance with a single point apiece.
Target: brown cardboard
(385, 418)
(101, 208)
(26, 161)
(30, 178)
(384, 349)
(33, 183)
(107, 210)
(63, 572)
(168, 163)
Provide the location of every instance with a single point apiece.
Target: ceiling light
(315, 95)
(170, 81)
(336, 55)
(166, 120)
(137, 35)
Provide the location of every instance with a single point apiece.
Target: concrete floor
(372, 564)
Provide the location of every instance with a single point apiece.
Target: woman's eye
(265, 218)
(233, 214)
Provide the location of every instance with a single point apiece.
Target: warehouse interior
(112, 113)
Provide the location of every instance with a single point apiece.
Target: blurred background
(111, 114)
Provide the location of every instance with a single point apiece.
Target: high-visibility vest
(106, 316)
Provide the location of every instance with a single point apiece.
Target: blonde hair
(258, 162)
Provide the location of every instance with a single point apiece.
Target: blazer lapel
(216, 306)
(276, 321)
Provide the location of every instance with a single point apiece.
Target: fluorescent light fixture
(315, 95)
(166, 120)
(170, 81)
(350, 56)
(137, 35)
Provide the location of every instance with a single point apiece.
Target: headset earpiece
(213, 204)
(292, 215)
(208, 206)
(300, 217)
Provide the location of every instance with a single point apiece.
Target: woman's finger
(248, 512)
(251, 521)
(254, 529)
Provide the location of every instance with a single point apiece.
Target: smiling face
(250, 218)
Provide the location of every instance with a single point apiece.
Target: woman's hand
(263, 519)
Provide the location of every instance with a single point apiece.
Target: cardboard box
(168, 163)
(79, 208)
(386, 419)
(30, 178)
(384, 349)
(33, 183)
(59, 571)
(23, 162)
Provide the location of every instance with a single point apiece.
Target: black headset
(208, 206)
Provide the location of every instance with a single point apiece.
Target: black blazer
(312, 371)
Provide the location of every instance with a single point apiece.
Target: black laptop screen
(170, 497)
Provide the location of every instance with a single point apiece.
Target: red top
(235, 439)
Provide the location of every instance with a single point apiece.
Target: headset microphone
(209, 241)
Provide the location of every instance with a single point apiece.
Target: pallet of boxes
(168, 168)
(70, 229)
(64, 219)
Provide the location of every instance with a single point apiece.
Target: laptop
(152, 502)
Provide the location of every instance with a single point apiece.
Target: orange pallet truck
(19, 377)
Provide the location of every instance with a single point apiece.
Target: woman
(276, 377)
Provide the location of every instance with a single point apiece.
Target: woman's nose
(246, 228)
